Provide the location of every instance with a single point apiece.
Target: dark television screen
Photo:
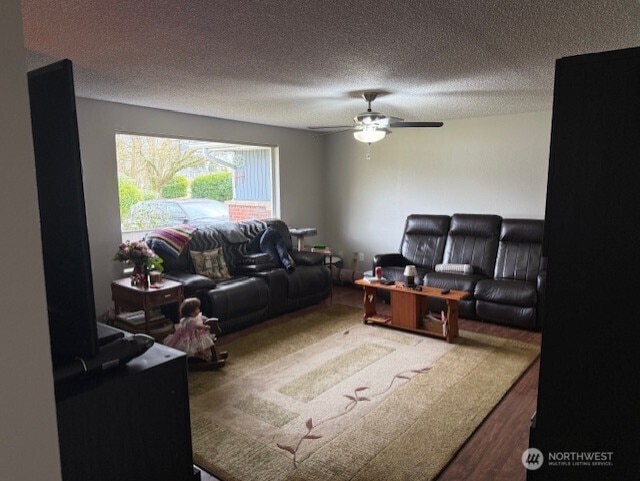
(63, 223)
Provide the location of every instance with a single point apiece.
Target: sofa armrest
(249, 264)
(385, 260)
(251, 269)
(255, 259)
(191, 282)
(306, 258)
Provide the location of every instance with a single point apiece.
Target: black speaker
(128, 424)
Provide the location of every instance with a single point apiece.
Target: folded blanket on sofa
(170, 240)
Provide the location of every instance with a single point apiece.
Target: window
(168, 181)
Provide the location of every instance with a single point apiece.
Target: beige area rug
(325, 397)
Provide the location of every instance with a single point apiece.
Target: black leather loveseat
(498, 261)
(255, 289)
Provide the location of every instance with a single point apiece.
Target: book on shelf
(436, 323)
(131, 317)
(436, 317)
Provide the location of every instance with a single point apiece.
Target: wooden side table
(133, 298)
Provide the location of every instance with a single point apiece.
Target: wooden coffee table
(409, 309)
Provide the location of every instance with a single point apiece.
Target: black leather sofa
(501, 258)
(257, 289)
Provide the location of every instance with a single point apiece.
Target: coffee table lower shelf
(386, 321)
(409, 309)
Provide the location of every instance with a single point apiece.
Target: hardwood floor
(493, 452)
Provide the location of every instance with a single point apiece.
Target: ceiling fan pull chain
(368, 156)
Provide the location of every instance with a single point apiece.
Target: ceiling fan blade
(416, 124)
(330, 127)
(320, 134)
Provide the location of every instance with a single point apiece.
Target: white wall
(492, 165)
(300, 164)
(28, 431)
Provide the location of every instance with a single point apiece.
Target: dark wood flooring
(493, 452)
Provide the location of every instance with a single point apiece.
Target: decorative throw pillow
(210, 264)
(455, 268)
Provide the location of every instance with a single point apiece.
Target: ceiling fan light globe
(369, 136)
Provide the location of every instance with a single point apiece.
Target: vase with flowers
(139, 255)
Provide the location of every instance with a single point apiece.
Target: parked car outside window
(152, 214)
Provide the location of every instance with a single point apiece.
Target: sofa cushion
(473, 239)
(520, 250)
(457, 282)
(522, 230)
(424, 239)
(455, 268)
(508, 292)
(516, 316)
(210, 264)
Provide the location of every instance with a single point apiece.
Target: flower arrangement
(138, 253)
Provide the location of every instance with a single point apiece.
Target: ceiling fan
(370, 126)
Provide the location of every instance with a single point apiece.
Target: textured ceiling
(297, 63)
